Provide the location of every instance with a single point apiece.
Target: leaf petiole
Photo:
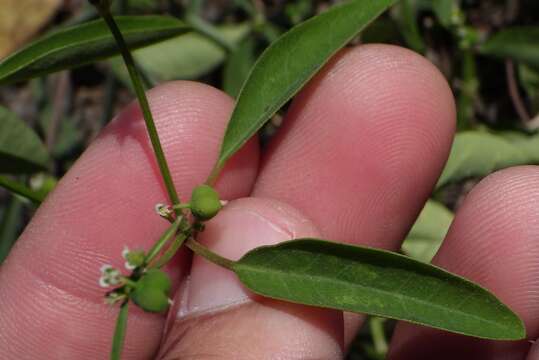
(209, 255)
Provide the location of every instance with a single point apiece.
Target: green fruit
(152, 291)
(150, 299)
(205, 202)
(158, 279)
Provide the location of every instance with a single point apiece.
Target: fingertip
(368, 136)
(493, 242)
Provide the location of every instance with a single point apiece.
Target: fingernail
(241, 226)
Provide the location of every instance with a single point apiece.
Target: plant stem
(119, 332)
(158, 246)
(145, 107)
(376, 325)
(172, 250)
(22, 190)
(209, 255)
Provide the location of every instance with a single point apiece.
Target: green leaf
(85, 43)
(476, 154)
(238, 67)
(288, 64)
(377, 282)
(516, 43)
(21, 150)
(188, 56)
(428, 232)
(119, 333)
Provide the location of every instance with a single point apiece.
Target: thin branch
(512, 86)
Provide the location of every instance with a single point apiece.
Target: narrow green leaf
(119, 333)
(21, 150)
(377, 282)
(516, 43)
(476, 154)
(85, 43)
(289, 63)
(428, 232)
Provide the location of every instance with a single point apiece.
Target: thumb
(215, 316)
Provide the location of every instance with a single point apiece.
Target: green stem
(128, 281)
(376, 325)
(172, 250)
(160, 244)
(182, 206)
(209, 255)
(22, 190)
(143, 101)
(119, 332)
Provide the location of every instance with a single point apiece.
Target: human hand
(359, 152)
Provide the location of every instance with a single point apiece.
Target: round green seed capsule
(152, 291)
(150, 299)
(158, 279)
(205, 202)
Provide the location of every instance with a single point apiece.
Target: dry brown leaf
(21, 19)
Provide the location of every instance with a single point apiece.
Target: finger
(362, 146)
(322, 161)
(218, 318)
(50, 301)
(493, 241)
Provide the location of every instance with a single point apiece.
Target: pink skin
(360, 150)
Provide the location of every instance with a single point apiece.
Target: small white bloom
(103, 282)
(109, 276)
(133, 258)
(105, 268)
(163, 210)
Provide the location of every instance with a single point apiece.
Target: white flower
(125, 255)
(163, 210)
(109, 276)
